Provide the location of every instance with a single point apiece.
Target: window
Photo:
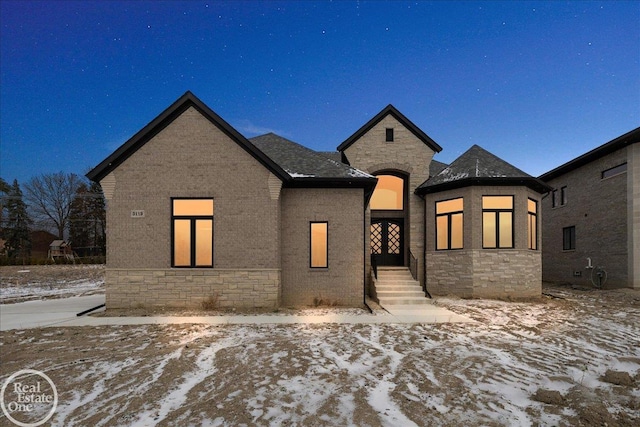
(449, 224)
(563, 195)
(569, 238)
(497, 222)
(319, 244)
(388, 194)
(192, 232)
(554, 198)
(532, 222)
(389, 135)
(617, 170)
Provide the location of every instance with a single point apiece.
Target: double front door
(387, 243)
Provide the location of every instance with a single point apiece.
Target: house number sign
(137, 214)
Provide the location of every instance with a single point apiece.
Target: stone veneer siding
(474, 272)
(187, 288)
(495, 273)
(406, 154)
(598, 209)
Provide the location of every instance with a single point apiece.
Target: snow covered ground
(569, 360)
(26, 283)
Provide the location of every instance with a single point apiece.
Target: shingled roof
(301, 162)
(477, 166)
(295, 165)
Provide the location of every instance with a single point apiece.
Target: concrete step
(403, 282)
(384, 301)
(397, 288)
(407, 294)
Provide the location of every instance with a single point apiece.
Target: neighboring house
(592, 217)
(196, 210)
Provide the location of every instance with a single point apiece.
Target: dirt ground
(30, 282)
(571, 359)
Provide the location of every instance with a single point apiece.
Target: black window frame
(449, 216)
(554, 198)
(389, 135)
(563, 195)
(193, 219)
(569, 238)
(532, 216)
(497, 211)
(311, 245)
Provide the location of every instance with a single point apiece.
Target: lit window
(192, 233)
(388, 194)
(389, 135)
(569, 238)
(497, 222)
(532, 222)
(617, 170)
(319, 245)
(449, 224)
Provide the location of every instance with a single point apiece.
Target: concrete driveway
(50, 312)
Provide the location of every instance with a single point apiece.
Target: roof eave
(163, 120)
(533, 183)
(598, 152)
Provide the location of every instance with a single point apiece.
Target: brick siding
(598, 210)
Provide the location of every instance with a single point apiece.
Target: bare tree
(49, 197)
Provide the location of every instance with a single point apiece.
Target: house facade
(592, 217)
(196, 211)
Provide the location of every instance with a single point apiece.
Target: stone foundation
(188, 288)
(509, 273)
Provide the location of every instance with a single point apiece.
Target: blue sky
(536, 83)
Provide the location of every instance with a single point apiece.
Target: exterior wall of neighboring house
(633, 215)
(598, 209)
(406, 154)
(192, 157)
(343, 280)
(474, 272)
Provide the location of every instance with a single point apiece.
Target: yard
(572, 358)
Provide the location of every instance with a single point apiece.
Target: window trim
(572, 238)
(534, 239)
(449, 221)
(326, 266)
(192, 219)
(389, 135)
(554, 198)
(497, 222)
(614, 171)
(563, 195)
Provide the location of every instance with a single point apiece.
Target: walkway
(62, 312)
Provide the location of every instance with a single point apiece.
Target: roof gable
(391, 110)
(477, 166)
(165, 118)
(598, 152)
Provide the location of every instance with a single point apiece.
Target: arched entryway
(388, 219)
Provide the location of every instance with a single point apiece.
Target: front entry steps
(396, 286)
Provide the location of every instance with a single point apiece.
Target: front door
(387, 242)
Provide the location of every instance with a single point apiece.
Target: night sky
(536, 83)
